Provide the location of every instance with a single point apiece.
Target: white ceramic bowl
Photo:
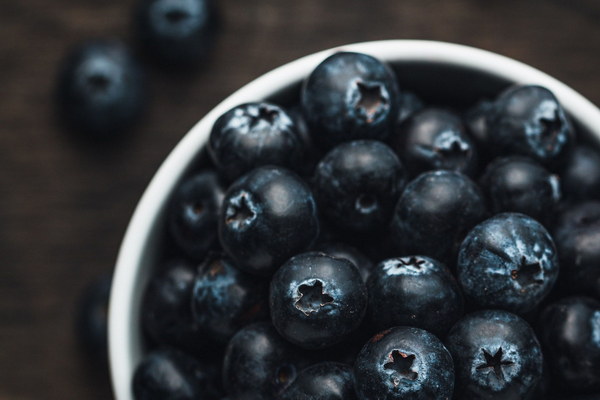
(442, 71)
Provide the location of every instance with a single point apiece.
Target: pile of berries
(360, 244)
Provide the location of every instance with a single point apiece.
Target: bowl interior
(442, 74)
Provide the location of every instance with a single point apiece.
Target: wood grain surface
(64, 206)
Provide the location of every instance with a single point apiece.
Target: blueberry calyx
(240, 212)
(527, 273)
(372, 100)
(312, 297)
(401, 363)
(494, 362)
(551, 128)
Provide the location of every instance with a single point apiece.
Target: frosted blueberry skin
(581, 174)
(350, 96)
(100, 89)
(570, 333)
(404, 363)
(519, 184)
(528, 120)
(224, 299)
(508, 261)
(414, 291)
(435, 212)
(577, 235)
(176, 34)
(193, 214)
(317, 300)
(350, 253)
(259, 361)
(357, 185)
(268, 215)
(323, 381)
(435, 139)
(252, 135)
(496, 356)
(170, 374)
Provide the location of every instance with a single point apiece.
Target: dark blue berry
(577, 236)
(323, 381)
(570, 333)
(496, 356)
(414, 291)
(194, 214)
(581, 174)
(357, 185)
(508, 261)
(317, 300)
(166, 312)
(252, 135)
(177, 33)
(352, 254)
(410, 103)
(92, 318)
(528, 120)
(170, 374)
(404, 363)
(477, 121)
(268, 215)
(259, 361)
(519, 184)
(350, 96)
(225, 299)
(101, 89)
(434, 214)
(435, 139)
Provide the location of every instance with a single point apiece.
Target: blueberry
(170, 374)
(404, 363)
(435, 139)
(350, 96)
(317, 300)
(435, 212)
(268, 215)
(100, 89)
(166, 312)
(496, 356)
(177, 33)
(410, 103)
(570, 333)
(255, 134)
(519, 184)
(92, 318)
(357, 185)
(259, 361)
(414, 291)
(225, 299)
(581, 174)
(350, 253)
(194, 213)
(528, 120)
(477, 121)
(323, 381)
(508, 261)
(577, 235)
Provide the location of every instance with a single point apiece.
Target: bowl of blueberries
(385, 220)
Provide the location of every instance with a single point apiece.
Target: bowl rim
(137, 245)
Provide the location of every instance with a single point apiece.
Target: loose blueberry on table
(424, 289)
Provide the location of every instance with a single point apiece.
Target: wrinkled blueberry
(508, 261)
(350, 96)
(225, 299)
(255, 134)
(404, 363)
(323, 381)
(350, 253)
(92, 318)
(570, 333)
(317, 300)
(357, 185)
(434, 214)
(194, 214)
(435, 139)
(268, 215)
(177, 33)
(414, 291)
(101, 89)
(496, 356)
(581, 174)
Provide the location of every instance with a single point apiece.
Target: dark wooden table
(64, 207)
